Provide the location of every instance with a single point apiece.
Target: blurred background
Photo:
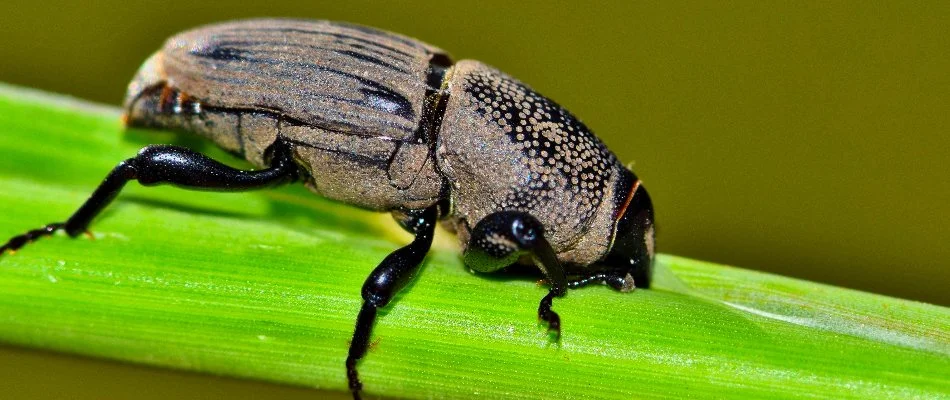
(808, 140)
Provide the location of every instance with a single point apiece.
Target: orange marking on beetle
(166, 99)
(621, 211)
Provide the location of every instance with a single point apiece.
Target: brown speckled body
(505, 147)
(387, 123)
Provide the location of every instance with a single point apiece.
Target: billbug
(389, 123)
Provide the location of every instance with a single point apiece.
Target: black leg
(621, 282)
(163, 164)
(501, 238)
(392, 274)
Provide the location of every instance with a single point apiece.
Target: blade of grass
(265, 285)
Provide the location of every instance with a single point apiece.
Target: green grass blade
(265, 285)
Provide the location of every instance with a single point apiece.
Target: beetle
(388, 123)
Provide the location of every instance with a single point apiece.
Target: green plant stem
(265, 285)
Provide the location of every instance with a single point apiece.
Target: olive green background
(805, 139)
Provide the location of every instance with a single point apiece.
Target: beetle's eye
(632, 249)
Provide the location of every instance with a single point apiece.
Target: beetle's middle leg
(501, 238)
(164, 164)
(392, 274)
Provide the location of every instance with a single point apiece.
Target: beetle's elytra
(388, 123)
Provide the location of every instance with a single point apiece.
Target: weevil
(388, 123)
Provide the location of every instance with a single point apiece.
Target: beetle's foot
(16, 242)
(547, 315)
(355, 385)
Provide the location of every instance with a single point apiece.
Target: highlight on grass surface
(265, 285)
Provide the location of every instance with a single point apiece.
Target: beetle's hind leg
(501, 238)
(392, 274)
(164, 164)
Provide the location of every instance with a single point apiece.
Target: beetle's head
(632, 245)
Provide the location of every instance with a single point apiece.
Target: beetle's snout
(144, 92)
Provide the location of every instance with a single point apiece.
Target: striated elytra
(389, 123)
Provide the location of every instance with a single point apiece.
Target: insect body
(388, 123)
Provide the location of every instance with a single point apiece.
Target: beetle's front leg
(392, 274)
(501, 238)
(164, 164)
(621, 281)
